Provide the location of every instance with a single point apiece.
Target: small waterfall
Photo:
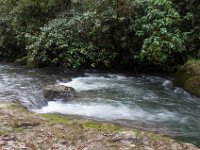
(16, 85)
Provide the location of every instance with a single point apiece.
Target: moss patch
(85, 124)
(55, 119)
(17, 107)
(100, 126)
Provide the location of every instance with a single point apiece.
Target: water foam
(107, 111)
(167, 84)
(92, 82)
(84, 84)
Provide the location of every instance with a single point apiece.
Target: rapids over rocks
(143, 101)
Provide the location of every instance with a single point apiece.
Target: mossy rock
(22, 61)
(192, 85)
(32, 64)
(186, 72)
(188, 77)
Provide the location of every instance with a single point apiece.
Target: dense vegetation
(99, 33)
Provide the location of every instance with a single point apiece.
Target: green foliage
(60, 42)
(80, 37)
(157, 26)
(191, 25)
(32, 14)
(99, 33)
(18, 17)
(7, 42)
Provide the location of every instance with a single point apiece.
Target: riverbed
(150, 102)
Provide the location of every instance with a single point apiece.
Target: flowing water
(143, 101)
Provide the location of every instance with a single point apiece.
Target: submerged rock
(61, 92)
(22, 61)
(188, 77)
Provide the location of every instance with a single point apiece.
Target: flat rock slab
(59, 92)
(24, 130)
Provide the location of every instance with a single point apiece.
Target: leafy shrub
(99, 33)
(60, 43)
(157, 26)
(191, 25)
(20, 17)
(81, 37)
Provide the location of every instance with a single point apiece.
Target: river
(143, 101)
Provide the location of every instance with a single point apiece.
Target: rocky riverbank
(20, 129)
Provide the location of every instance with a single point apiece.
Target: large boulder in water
(59, 92)
(188, 77)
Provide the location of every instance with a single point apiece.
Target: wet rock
(59, 92)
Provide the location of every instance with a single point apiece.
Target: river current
(142, 101)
